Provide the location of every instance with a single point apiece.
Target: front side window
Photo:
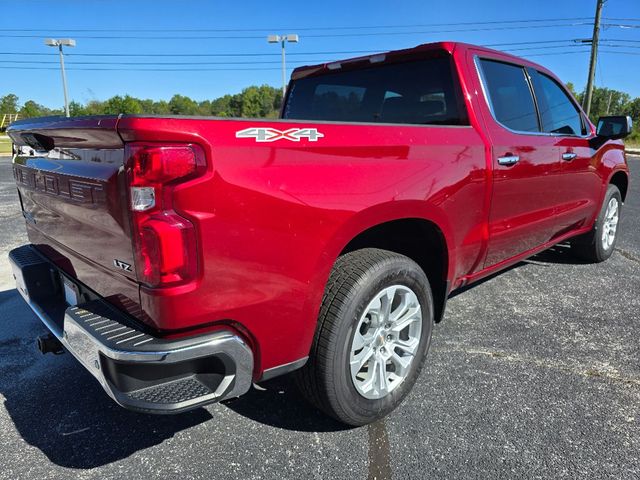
(423, 92)
(558, 113)
(509, 95)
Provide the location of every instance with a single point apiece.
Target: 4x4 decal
(268, 134)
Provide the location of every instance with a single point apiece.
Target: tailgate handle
(568, 156)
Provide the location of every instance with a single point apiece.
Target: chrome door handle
(568, 156)
(508, 160)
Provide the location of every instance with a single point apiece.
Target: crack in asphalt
(627, 255)
(605, 372)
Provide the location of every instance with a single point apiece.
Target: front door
(526, 167)
(581, 185)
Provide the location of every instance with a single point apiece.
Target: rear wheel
(373, 334)
(598, 245)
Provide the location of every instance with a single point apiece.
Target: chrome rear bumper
(138, 370)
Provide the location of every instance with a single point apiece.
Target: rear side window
(423, 92)
(510, 96)
(558, 113)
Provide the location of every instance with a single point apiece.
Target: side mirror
(614, 127)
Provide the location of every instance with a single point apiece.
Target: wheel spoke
(358, 342)
(359, 360)
(411, 315)
(386, 301)
(382, 384)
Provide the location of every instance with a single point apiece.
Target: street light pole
(284, 70)
(282, 39)
(64, 82)
(69, 42)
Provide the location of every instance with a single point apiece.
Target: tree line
(264, 101)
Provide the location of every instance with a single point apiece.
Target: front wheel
(598, 245)
(373, 334)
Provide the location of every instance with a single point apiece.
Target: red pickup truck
(180, 259)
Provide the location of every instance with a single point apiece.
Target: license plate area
(71, 291)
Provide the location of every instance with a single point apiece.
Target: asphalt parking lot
(534, 373)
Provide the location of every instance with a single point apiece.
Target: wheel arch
(417, 238)
(367, 229)
(621, 180)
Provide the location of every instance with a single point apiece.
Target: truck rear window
(423, 92)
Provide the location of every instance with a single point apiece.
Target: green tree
(181, 105)
(32, 109)
(221, 107)
(76, 109)
(9, 104)
(251, 102)
(116, 105)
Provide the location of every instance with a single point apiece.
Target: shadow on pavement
(559, 254)
(278, 403)
(61, 409)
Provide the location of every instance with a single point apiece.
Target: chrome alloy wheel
(385, 342)
(610, 224)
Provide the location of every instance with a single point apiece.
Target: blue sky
(412, 22)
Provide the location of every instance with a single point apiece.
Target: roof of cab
(444, 46)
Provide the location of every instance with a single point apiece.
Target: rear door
(526, 168)
(563, 120)
(73, 195)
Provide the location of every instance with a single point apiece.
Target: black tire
(590, 247)
(355, 280)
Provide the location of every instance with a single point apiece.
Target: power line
(143, 70)
(109, 69)
(333, 28)
(622, 19)
(256, 54)
(620, 46)
(619, 40)
(243, 54)
(619, 52)
(619, 25)
(251, 62)
(331, 35)
(555, 53)
(538, 48)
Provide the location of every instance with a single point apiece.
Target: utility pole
(586, 103)
(67, 42)
(282, 39)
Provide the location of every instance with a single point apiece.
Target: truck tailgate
(72, 188)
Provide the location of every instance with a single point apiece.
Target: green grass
(5, 145)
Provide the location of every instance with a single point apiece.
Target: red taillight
(164, 164)
(164, 241)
